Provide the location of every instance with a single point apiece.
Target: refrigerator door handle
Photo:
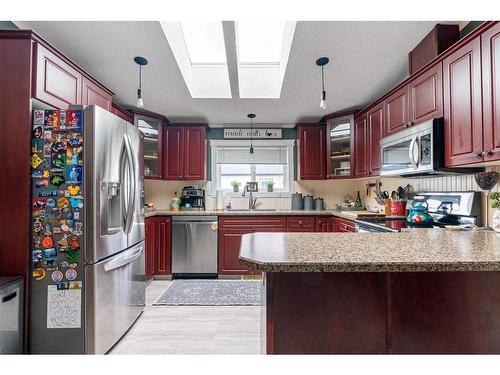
(131, 185)
(123, 261)
(124, 182)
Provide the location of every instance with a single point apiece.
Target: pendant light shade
(322, 61)
(141, 61)
(251, 116)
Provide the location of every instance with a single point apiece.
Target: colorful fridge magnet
(47, 193)
(58, 161)
(50, 257)
(78, 228)
(51, 202)
(37, 132)
(57, 276)
(72, 256)
(37, 256)
(37, 145)
(57, 180)
(38, 204)
(38, 117)
(63, 242)
(74, 174)
(74, 155)
(36, 161)
(62, 202)
(47, 242)
(76, 202)
(71, 274)
(73, 120)
(38, 274)
(74, 190)
(74, 243)
(75, 140)
(62, 119)
(41, 184)
(52, 119)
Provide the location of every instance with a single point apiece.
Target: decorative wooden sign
(240, 133)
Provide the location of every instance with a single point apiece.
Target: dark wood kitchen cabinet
(158, 232)
(231, 229)
(311, 151)
(340, 145)
(150, 231)
(93, 94)
(325, 224)
(56, 82)
(490, 42)
(184, 152)
(426, 95)
(163, 253)
(375, 125)
(361, 157)
(151, 128)
(121, 112)
(462, 105)
(345, 225)
(59, 83)
(301, 224)
(396, 111)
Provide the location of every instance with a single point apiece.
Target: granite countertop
(350, 215)
(424, 250)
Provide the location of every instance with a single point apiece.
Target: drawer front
(254, 223)
(346, 225)
(301, 224)
(57, 83)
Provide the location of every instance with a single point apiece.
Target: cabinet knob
(486, 153)
(300, 222)
(478, 155)
(407, 125)
(411, 123)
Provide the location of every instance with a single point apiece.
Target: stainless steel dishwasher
(194, 246)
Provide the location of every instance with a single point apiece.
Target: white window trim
(288, 143)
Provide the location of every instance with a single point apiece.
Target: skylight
(260, 42)
(263, 50)
(204, 41)
(199, 49)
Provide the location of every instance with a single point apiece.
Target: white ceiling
(366, 60)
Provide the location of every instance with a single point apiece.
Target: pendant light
(251, 116)
(322, 61)
(141, 61)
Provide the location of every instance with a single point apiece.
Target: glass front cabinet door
(151, 128)
(340, 145)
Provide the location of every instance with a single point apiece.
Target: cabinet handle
(407, 125)
(486, 153)
(300, 222)
(478, 155)
(411, 123)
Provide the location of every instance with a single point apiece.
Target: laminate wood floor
(191, 329)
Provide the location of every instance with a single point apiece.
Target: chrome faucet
(251, 200)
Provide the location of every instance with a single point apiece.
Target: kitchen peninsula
(415, 292)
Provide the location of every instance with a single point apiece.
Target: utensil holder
(398, 208)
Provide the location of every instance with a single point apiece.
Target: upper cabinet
(184, 152)
(490, 42)
(426, 95)
(360, 146)
(397, 111)
(151, 128)
(375, 126)
(93, 94)
(121, 112)
(311, 156)
(59, 83)
(56, 83)
(462, 105)
(340, 146)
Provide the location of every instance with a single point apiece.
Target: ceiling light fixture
(141, 61)
(322, 61)
(251, 116)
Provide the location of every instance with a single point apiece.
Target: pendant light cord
(322, 79)
(140, 77)
(251, 133)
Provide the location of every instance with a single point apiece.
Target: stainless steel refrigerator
(87, 283)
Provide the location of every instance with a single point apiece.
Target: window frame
(288, 175)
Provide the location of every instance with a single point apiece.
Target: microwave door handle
(411, 151)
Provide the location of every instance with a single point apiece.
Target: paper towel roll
(219, 204)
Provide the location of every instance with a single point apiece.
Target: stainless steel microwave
(417, 151)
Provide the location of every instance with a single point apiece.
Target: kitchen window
(272, 161)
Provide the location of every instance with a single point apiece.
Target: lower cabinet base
(377, 313)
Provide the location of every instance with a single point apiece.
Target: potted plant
(270, 185)
(495, 204)
(236, 185)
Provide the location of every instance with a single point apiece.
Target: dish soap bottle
(175, 202)
(358, 202)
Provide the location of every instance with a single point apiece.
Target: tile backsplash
(333, 191)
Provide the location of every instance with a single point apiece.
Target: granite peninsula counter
(424, 291)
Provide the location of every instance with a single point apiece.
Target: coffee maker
(192, 198)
